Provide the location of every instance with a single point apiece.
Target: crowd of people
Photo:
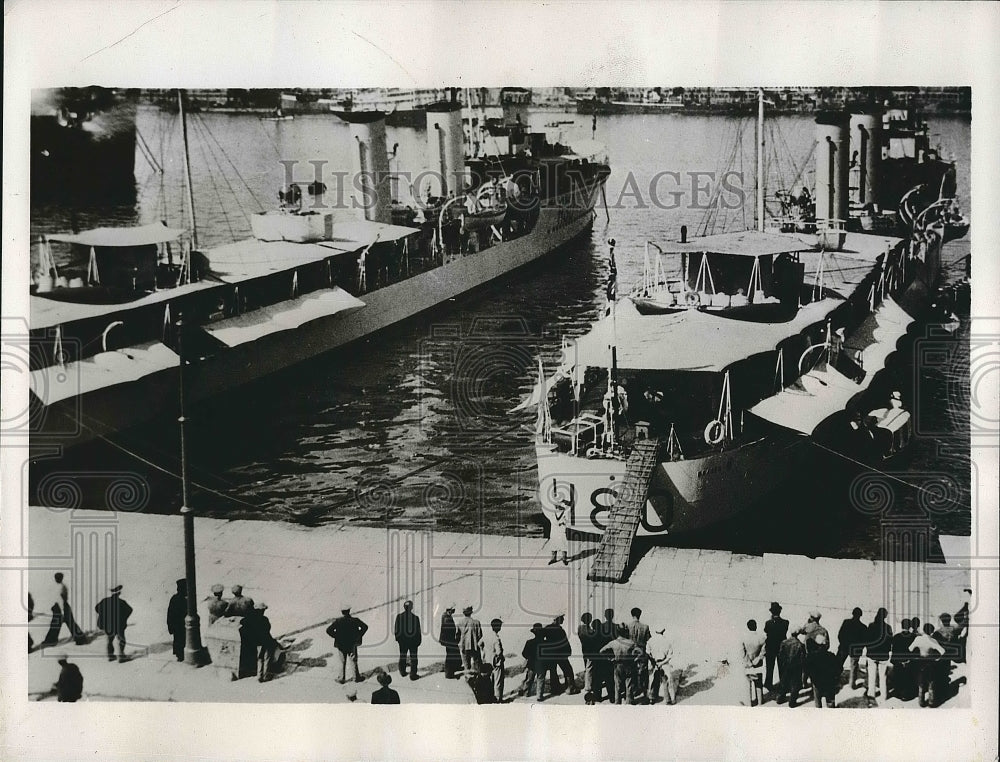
(623, 662)
(914, 662)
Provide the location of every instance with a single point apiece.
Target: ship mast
(760, 159)
(187, 168)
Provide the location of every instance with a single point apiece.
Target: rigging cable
(215, 187)
(231, 163)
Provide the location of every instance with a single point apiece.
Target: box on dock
(222, 638)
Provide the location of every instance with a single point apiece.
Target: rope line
(869, 467)
(201, 119)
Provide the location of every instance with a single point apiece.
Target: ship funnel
(445, 149)
(832, 143)
(370, 165)
(866, 154)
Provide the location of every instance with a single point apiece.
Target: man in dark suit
(112, 618)
(903, 679)
(775, 631)
(590, 646)
(851, 642)
(407, 633)
(176, 613)
(530, 654)
(824, 670)
(449, 639)
(347, 632)
(791, 665)
(605, 631)
(385, 694)
(554, 654)
(470, 641)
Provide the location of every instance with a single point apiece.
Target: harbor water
(412, 427)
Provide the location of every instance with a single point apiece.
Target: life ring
(691, 299)
(714, 432)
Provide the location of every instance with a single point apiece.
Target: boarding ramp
(626, 513)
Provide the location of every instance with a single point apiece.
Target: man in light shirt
(660, 651)
(753, 661)
(926, 663)
(493, 655)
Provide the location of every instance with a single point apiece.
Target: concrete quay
(702, 598)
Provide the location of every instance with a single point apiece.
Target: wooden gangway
(626, 513)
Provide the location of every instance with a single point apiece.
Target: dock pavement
(701, 598)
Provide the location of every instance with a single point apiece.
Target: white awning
(120, 366)
(243, 260)
(286, 316)
(820, 393)
(143, 235)
(350, 235)
(690, 340)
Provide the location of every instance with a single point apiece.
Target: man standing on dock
(217, 606)
(753, 658)
(555, 655)
(775, 630)
(112, 618)
(590, 646)
(176, 612)
(62, 613)
(493, 652)
(407, 633)
(850, 643)
(879, 645)
(639, 633)
(347, 632)
(470, 637)
(449, 639)
(622, 651)
(239, 605)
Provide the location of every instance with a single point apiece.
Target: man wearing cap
(112, 618)
(385, 694)
(493, 655)
(554, 655)
(775, 631)
(176, 613)
(530, 654)
(407, 633)
(239, 605)
(470, 637)
(449, 639)
(347, 632)
(851, 642)
(69, 685)
(217, 606)
(268, 645)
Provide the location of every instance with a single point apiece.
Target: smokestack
(832, 166)
(445, 149)
(370, 164)
(866, 140)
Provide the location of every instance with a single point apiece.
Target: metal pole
(187, 168)
(194, 653)
(760, 160)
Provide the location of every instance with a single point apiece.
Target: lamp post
(194, 652)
